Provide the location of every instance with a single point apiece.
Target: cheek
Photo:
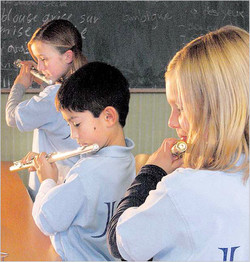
(50, 66)
(57, 68)
(89, 130)
(184, 124)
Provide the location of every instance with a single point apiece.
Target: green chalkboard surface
(139, 37)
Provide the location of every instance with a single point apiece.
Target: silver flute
(56, 156)
(179, 148)
(34, 72)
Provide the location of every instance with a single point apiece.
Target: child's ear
(68, 56)
(110, 115)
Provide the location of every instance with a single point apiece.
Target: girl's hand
(45, 169)
(164, 158)
(25, 77)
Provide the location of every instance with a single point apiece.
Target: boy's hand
(164, 158)
(45, 169)
(30, 156)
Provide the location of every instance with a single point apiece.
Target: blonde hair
(211, 77)
(63, 36)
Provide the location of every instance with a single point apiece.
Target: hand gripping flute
(53, 157)
(34, 72)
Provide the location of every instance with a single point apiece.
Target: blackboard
(139, 37)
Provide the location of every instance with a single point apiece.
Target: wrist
(47, 184)
(50, 177)
(25, 84)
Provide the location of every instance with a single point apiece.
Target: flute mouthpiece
(179, 148)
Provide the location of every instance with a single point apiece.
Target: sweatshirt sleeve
(145, 181)
(36, 112)
(14, 98)
(56, 206)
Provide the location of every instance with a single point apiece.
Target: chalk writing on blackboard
(147, 16)
(139, 37)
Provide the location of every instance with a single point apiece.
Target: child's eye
(179, 108)
(76, 125)
(42, 59)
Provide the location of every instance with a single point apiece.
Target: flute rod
(53, 157)
(34, 72)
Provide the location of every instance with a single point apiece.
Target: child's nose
(173, 122)
(73, 134)
(40, 65)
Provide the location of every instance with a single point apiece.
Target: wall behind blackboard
(139, 37)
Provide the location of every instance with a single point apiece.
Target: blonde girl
(56, 48)
(199, 211)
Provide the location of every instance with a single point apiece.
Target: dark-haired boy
(95, 103)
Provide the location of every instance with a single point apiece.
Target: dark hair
(93, 87)
(63, 36)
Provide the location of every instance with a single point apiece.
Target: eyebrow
(73, 117)
(70, 119)
(171, 101)
(41, 55)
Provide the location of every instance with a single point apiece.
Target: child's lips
(183, 138)
(83, 144)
